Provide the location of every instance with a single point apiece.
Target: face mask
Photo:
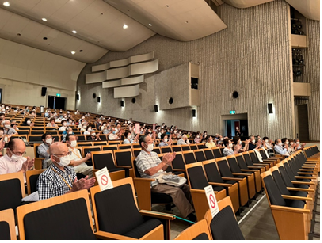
(89, 129)
(297, 142)
(266, 140)
(16, 157)
(240, 142)
(198, 136)
(7, 126)
(64, 161)
(165, 140)
(150, 147)
(3, 122)
(84, 127)
(49, 140)
(286, 142)
(253, 140)
(280, 144)
(211, 141)
(129, 137)
(83, 117)
(73, 144)
(230, 145)
(28, 122)
(175, 132)
(65, 124)
(114, 132)
(70, 132)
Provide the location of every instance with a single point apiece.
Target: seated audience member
(113, 135)
(164, 142)
(228, 150)
(197, 138)
(64, 125)
(2, 117)
(118, 128)
(183, 140)
(279, 148)
(103, 126)
(15, 127)
(298, 146)
(267, 143)
(93, 136)
(240, 143)
(7, 128)
(88, 130)
(60, 178)
(210, 142)
(43, 148)
(127, 138)
(13, 161)
(220, 141)
(76, 158)
(27, 122)
(52, 123)
(252, 143)
(150, 166)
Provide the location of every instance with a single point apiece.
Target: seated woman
(210, 143)
(52, 123)
(28, 122)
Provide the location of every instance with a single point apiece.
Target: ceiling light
(7, 4)
(125, 26)
(150, 24)
(74, 31)
(72, 52)
(167, 6)
(44, 19)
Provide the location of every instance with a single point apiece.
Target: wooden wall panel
(251, 56)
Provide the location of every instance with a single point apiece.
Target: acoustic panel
(144, 68)
(141, 58)
(101, 67)
(95, 77)
(131, 81)
(126, 91)
(111, 84)
(116, 73)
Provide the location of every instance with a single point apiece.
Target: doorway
(303, 123)
(57, 102)
(231, 122)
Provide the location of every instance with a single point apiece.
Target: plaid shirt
(146, 161)
(50, 184)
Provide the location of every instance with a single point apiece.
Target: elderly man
(13, 161)
(43, 148)
(7, 128)
(113, 134)
(183, 140)
(60, 178)
(279, 148)
(76, 158)
(150, 166)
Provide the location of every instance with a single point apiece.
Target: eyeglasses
(62, 155)
(19, 154)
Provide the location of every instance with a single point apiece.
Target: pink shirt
(7, 165)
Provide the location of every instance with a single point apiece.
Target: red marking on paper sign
(104, 180)
(212, 201)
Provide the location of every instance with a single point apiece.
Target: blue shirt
(163, 144)
(280, 150)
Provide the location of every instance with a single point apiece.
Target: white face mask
(83, 117)
(84, 127)
(266, 140)
(16, 157)
(65, 124)
(70, 132)
(240, 142)
(198, 136)
(297, 142)
(49, 141)
(230, 145)
(73, 144)
(165, 140)
(211, 141)
(129, 137)
(150, 147)
(253, 140)
(7, 126)
(64, 161)
(286, 142)
(280, 144)
(3, 122)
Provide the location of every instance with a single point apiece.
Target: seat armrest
(243, 174)
(108, 236)
(304, 177)
(155, 214)
(143, 179)
(299, 189)
(248, 170)
(297, 198)
(232, 178)
(256, 167)
(123, 166)
(302, 182)
(219, 184)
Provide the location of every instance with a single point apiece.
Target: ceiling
(99, 24)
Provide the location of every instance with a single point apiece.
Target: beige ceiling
(182, 20)
(309, 8)
(246, 3)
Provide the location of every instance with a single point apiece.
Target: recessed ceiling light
(74, 31)
(167, 6)
(72, 52)
(187, 22)
(7, 4)
(125, 26)
(44, 19)
(150, 24)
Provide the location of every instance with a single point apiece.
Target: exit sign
(232, 112)
(57, 94)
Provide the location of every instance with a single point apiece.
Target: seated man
(298, 146)
(164, 142)
(76, 159)
(252, 143)
(43, 148)
(228, 150)
(183, 140)
(13, 161)
(113, 135)
(64, 125)
(279, 149)
(60, 178)
(150, 166)
(7, 128)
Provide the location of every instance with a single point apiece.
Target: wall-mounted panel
(111, 84)
(126, 91)
(95, 77)
(143, 68)
(101, 67)
(116, 73)
(119, 63)
(141, 58)
(131, 81)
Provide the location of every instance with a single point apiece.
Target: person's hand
(88, 183)
(168, 158)
(28, 164)
(88, 156)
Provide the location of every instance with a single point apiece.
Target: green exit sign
(57, 94)
(232, 112)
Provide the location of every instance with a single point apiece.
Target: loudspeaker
(122, 103)
(193, 113)
(77, 96)
(98, 99)
(156, 108)
(43, 91)
(270, 108)
(94, 95)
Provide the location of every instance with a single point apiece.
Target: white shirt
(75, 156)
(62, 128)
(7, 165)
(87, 133)
(112, 136)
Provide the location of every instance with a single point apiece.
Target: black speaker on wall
(122, 103)
(270, 108)
(94, 95)
(156, 108)
(43, 91)
(77, 96)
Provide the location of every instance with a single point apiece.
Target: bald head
(58, 149)
(16, 146)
